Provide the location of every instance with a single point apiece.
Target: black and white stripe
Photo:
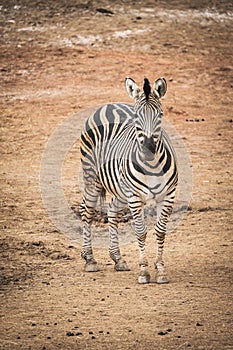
(126, 153)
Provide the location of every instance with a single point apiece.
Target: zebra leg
(136, 208)
(113, 211)
(164, 210)
(87, 210)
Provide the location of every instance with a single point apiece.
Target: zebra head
(148, 114)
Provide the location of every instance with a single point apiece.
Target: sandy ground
(57, 59)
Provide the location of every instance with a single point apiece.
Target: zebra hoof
(91, 267)
(121, 266)
(161, 279)
(144, 278)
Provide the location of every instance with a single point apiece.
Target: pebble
(162, 333)
(70, 334)
(165, 332)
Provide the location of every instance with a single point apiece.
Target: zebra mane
(146, 88)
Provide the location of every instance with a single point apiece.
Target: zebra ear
(160, 87)
(132, 88)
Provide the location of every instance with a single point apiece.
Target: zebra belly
(109, 174)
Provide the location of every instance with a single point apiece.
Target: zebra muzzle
(148, 148)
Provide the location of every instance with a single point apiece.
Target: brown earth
(61, 57)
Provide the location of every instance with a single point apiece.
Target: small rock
(225, 69)
(104, 11)
(198, 324)
(162, 333)
(70, 334)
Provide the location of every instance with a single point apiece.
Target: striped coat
(126, 153)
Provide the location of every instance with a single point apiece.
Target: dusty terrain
(57, 59)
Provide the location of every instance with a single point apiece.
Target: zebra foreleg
(141, 232)
(87, 214)
(114, 250)
(164, 210)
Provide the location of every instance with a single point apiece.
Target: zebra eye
(141, 137)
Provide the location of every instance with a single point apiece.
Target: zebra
(126, 153)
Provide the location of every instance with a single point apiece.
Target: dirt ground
(61, 57)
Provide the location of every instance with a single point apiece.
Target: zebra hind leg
(113, 217)
(87, 213)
